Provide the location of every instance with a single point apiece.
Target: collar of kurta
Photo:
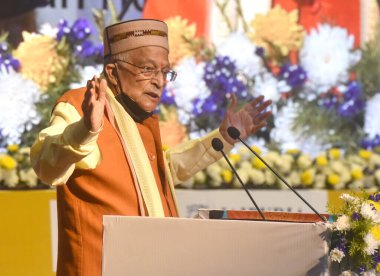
(133, 145)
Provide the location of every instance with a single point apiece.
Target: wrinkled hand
(248, 120)
(94, 103)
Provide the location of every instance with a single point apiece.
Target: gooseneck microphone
(217, 145)
(234, 133)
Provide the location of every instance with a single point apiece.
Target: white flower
(347, 273)
(371, 244)
(10, 178)
(372, 120)
(87, 73)
(367, 211)
(336, 255)
(214, 172)
(18, 97)
(343, 223)
(256, 176)
(287, 137)
(348, 198)
(327, 56)
(245, 58)
(189, 85)
(49, 30)
(267, 85)
(371, 272)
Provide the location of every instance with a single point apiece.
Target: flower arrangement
(333, 169)
(15, 169)
(355, 240)
(33, 75)
(322, 97)
(325, 93)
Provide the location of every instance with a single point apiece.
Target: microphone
(234, 133)
(217, 145)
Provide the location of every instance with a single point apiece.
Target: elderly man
(103, 148)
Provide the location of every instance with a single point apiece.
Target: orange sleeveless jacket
(106, 190)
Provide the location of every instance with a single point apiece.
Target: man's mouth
(153, 95)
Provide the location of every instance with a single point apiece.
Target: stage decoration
(324, 133)
(180, 32)
(333, 169)
(355, 240)
(18, 99)
(322, 97)
(277, 31)
(40, 60)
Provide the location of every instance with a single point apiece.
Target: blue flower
(80, 30)
(356, 216)
(371, 143)
(353, 103)
(260, 51)
(63, 29)
(221, 78)
(6, 59)
(294, 75)
(167, 98)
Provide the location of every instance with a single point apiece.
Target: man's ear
(111, 73)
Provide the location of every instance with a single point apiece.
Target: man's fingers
(233, 103)
(102, 90)
(263, 116)
(256, 100)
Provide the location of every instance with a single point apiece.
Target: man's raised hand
(94, 103)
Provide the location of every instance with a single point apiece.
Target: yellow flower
(227, 176)
(258, 164)
(256, 149)
(165, 147)
(7, 162)
(375, 204)
(334, 153)
(13, 148)
(378, 267)
(235, 157)
(180, 31)
(333, 179)
(376, 232)
(304, 161)
(307, 177)
(278, 28)
(39, 59)
(365, 154)
(293, 151)
(357, 173)
(321, 161)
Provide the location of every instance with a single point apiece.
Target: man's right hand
(94, 103)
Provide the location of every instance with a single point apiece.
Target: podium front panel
(176, 246)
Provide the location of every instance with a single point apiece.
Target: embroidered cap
(129, 35)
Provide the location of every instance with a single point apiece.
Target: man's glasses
(149, 72)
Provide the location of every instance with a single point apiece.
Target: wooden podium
(209, 246)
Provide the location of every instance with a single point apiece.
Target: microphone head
(233, 132)
(217, 144)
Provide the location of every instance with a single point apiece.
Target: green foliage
(368, 69)
(329, 127)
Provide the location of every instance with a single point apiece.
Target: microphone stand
(217, 144)
(282, 179)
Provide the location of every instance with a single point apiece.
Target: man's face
(145, 91)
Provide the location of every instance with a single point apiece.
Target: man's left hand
(248, 120)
